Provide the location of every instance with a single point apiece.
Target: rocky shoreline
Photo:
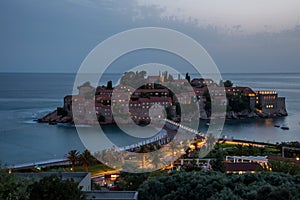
(245, 114)
(53, 118)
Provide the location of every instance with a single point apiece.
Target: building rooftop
(76, 176)
(112, 195)
(279, 158)
(237, 167)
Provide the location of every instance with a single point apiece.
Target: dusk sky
(240, 35)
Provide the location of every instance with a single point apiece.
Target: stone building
(268, 103)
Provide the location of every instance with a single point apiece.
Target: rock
(252, 115)
(282, 112)
(231, 115)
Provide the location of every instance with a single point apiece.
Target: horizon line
(23, 72)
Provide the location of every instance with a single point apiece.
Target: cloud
(251, 16)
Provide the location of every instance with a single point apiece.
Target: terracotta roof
(245, 90)
(179, 81)
(279, 158)
(102, 106)
(200, 89)
(155, 99)
(103, 97)
(198, 79)
(153, 77)
(151, 90)
(234, 167)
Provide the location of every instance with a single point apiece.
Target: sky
(241, 36)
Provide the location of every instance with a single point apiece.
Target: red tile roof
(235, 167)
(102, 106)
(279, 158)
(151, 90)
(155, 99)
(245, 90)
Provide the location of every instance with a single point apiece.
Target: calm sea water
(25, 97)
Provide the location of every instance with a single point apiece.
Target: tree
(216, 185)
(109, 85)
(238, 102)
(218, 163)
(228, 83)
(54, 188)
(187, 77)
(286, 166)
(86, 159)
(12, 187)
(101, 118)
(73, 157)
(133, 79)
(131, 181)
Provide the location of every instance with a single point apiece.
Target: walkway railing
(196, 132)
(47, 163)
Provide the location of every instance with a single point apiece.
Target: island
(154, 92)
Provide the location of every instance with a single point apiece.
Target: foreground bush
(214, 185)
(54, 188)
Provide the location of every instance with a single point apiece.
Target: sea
(25, 97)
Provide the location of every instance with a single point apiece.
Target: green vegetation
(134, 79)
(227, 83)
(285, 166)
(293, 152)
(245, 150)
(188, 77)
(109, 85)
(128, 181)
(85, 159)
(54, 188)
(73, 157)
(50, 188)
(101, 118)
(85, 162)
(216, 185)
(238, 102)
(12, 187)
(218, 164)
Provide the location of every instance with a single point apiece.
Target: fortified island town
(240, 102)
